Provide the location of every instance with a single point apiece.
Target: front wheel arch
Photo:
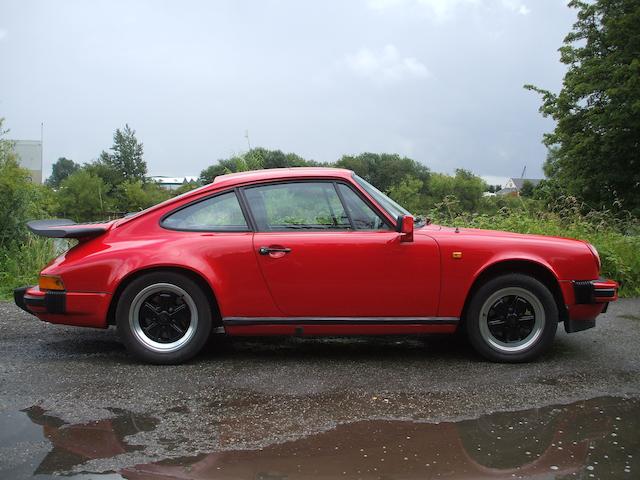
(525, 267)
(196, 277)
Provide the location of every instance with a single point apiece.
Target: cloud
(516, 6)
(386, 65)
(3, 33)
(445, 9)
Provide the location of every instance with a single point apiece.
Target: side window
(297, 206)
(364, 218)
(219, 213)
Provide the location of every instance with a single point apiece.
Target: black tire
(512, 318)
(152, 312)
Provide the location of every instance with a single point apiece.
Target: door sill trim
(244, 321)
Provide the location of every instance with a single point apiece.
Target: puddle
(590, 439)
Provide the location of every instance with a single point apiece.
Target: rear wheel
(512, 318)
(164, 318)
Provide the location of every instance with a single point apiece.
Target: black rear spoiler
(64, 228)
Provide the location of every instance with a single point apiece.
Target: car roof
(279, 173)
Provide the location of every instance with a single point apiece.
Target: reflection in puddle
(590, 439)
(75, 444)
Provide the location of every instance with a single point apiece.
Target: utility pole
(41, 150)
(523, 170)
(246, 135)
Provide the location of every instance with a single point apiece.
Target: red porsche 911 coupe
(311, 251)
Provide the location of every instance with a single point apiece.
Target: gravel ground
(249, 393)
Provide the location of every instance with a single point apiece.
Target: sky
(440, 81)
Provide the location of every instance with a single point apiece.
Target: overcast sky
(437, 80)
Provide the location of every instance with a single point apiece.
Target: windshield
(385, 202)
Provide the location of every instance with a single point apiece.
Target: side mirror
(405, 227)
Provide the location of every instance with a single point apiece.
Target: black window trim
(248, 228)
(334, 181)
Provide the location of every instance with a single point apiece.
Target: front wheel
(512, 318)
(163, 318)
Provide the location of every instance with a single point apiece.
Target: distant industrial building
(173, 183)
(29, 154)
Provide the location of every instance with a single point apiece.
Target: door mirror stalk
(405, 227)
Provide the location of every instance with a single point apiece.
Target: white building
(29, 154)
(173, 183)
(514, 185)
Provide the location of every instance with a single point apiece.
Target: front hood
(481, 233)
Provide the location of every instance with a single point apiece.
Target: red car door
(325, 252)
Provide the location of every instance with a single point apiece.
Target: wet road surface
(73, 403)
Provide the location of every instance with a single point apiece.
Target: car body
(311, 251)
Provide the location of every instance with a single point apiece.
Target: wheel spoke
(179, 308)
(152, 307)
(149, 326)
(500, 308)
(177, 328)
(520, 306)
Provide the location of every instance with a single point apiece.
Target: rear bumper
(68, 308)
(33, 300)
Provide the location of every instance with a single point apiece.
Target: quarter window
(297, 206)
(219, 213)
(363, 217)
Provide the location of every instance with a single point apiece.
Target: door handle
(268, 250)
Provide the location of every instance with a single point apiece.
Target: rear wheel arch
(530, 268)
(196, 277)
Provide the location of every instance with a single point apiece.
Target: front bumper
(590, 299)
(87, 309)
(595, 291)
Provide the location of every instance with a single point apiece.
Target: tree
(20, 199)
(134, 195)
(594, 149)
(61, 170)
(465, 187)
(408, 194)
(254, 159)
(527, 189)
(385, 170)
(126, 158)
(82, 196)
(106, 172)
(185, 187)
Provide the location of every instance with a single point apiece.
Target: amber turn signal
(50, 282)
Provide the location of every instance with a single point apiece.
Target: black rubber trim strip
(244, 321)
(18, 297)
(52, 302)
(604, 292)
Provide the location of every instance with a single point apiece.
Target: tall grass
(21, 263)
